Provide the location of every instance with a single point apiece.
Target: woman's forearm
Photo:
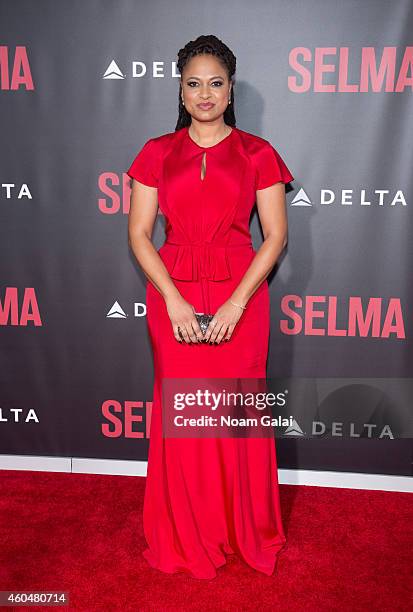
(260, 267)
(151, 263)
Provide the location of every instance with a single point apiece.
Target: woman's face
(205, 88)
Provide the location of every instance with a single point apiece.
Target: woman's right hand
(182, 315)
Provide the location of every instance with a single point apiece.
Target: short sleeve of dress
(271, 168)
(144, 167)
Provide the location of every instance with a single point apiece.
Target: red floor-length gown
(208, 497)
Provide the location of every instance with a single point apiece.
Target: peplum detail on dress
(200, 260)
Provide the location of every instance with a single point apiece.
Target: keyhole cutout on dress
(203, 166)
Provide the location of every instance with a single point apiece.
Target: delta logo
(117, 312)
(351, 197)
(139, 69)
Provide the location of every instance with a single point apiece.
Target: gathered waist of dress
(204, 261)
(214, 243)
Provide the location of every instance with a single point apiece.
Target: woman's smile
(205, 105)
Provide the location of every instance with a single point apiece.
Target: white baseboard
(346, 480)
(312, 478)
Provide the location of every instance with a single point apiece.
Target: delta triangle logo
(116, 312)
(294, 430)
(301, 199)
(113, 71)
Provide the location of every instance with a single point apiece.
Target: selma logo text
(375, 319)
(326, 70)
(21, 312)
(15, 70)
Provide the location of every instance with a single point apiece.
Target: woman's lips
(206, 106)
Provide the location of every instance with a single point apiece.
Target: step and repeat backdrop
(82, 87)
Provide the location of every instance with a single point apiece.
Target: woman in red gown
(208, 497)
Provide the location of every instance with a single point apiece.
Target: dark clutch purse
(204, 320)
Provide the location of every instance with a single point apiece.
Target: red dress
(208, 497)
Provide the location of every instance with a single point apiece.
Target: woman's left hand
(223, 323)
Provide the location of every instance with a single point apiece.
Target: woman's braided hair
(213, 45)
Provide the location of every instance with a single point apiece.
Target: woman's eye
(191, 83)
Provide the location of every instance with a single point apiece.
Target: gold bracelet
(244, 307)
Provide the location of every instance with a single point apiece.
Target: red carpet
(347, 550)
